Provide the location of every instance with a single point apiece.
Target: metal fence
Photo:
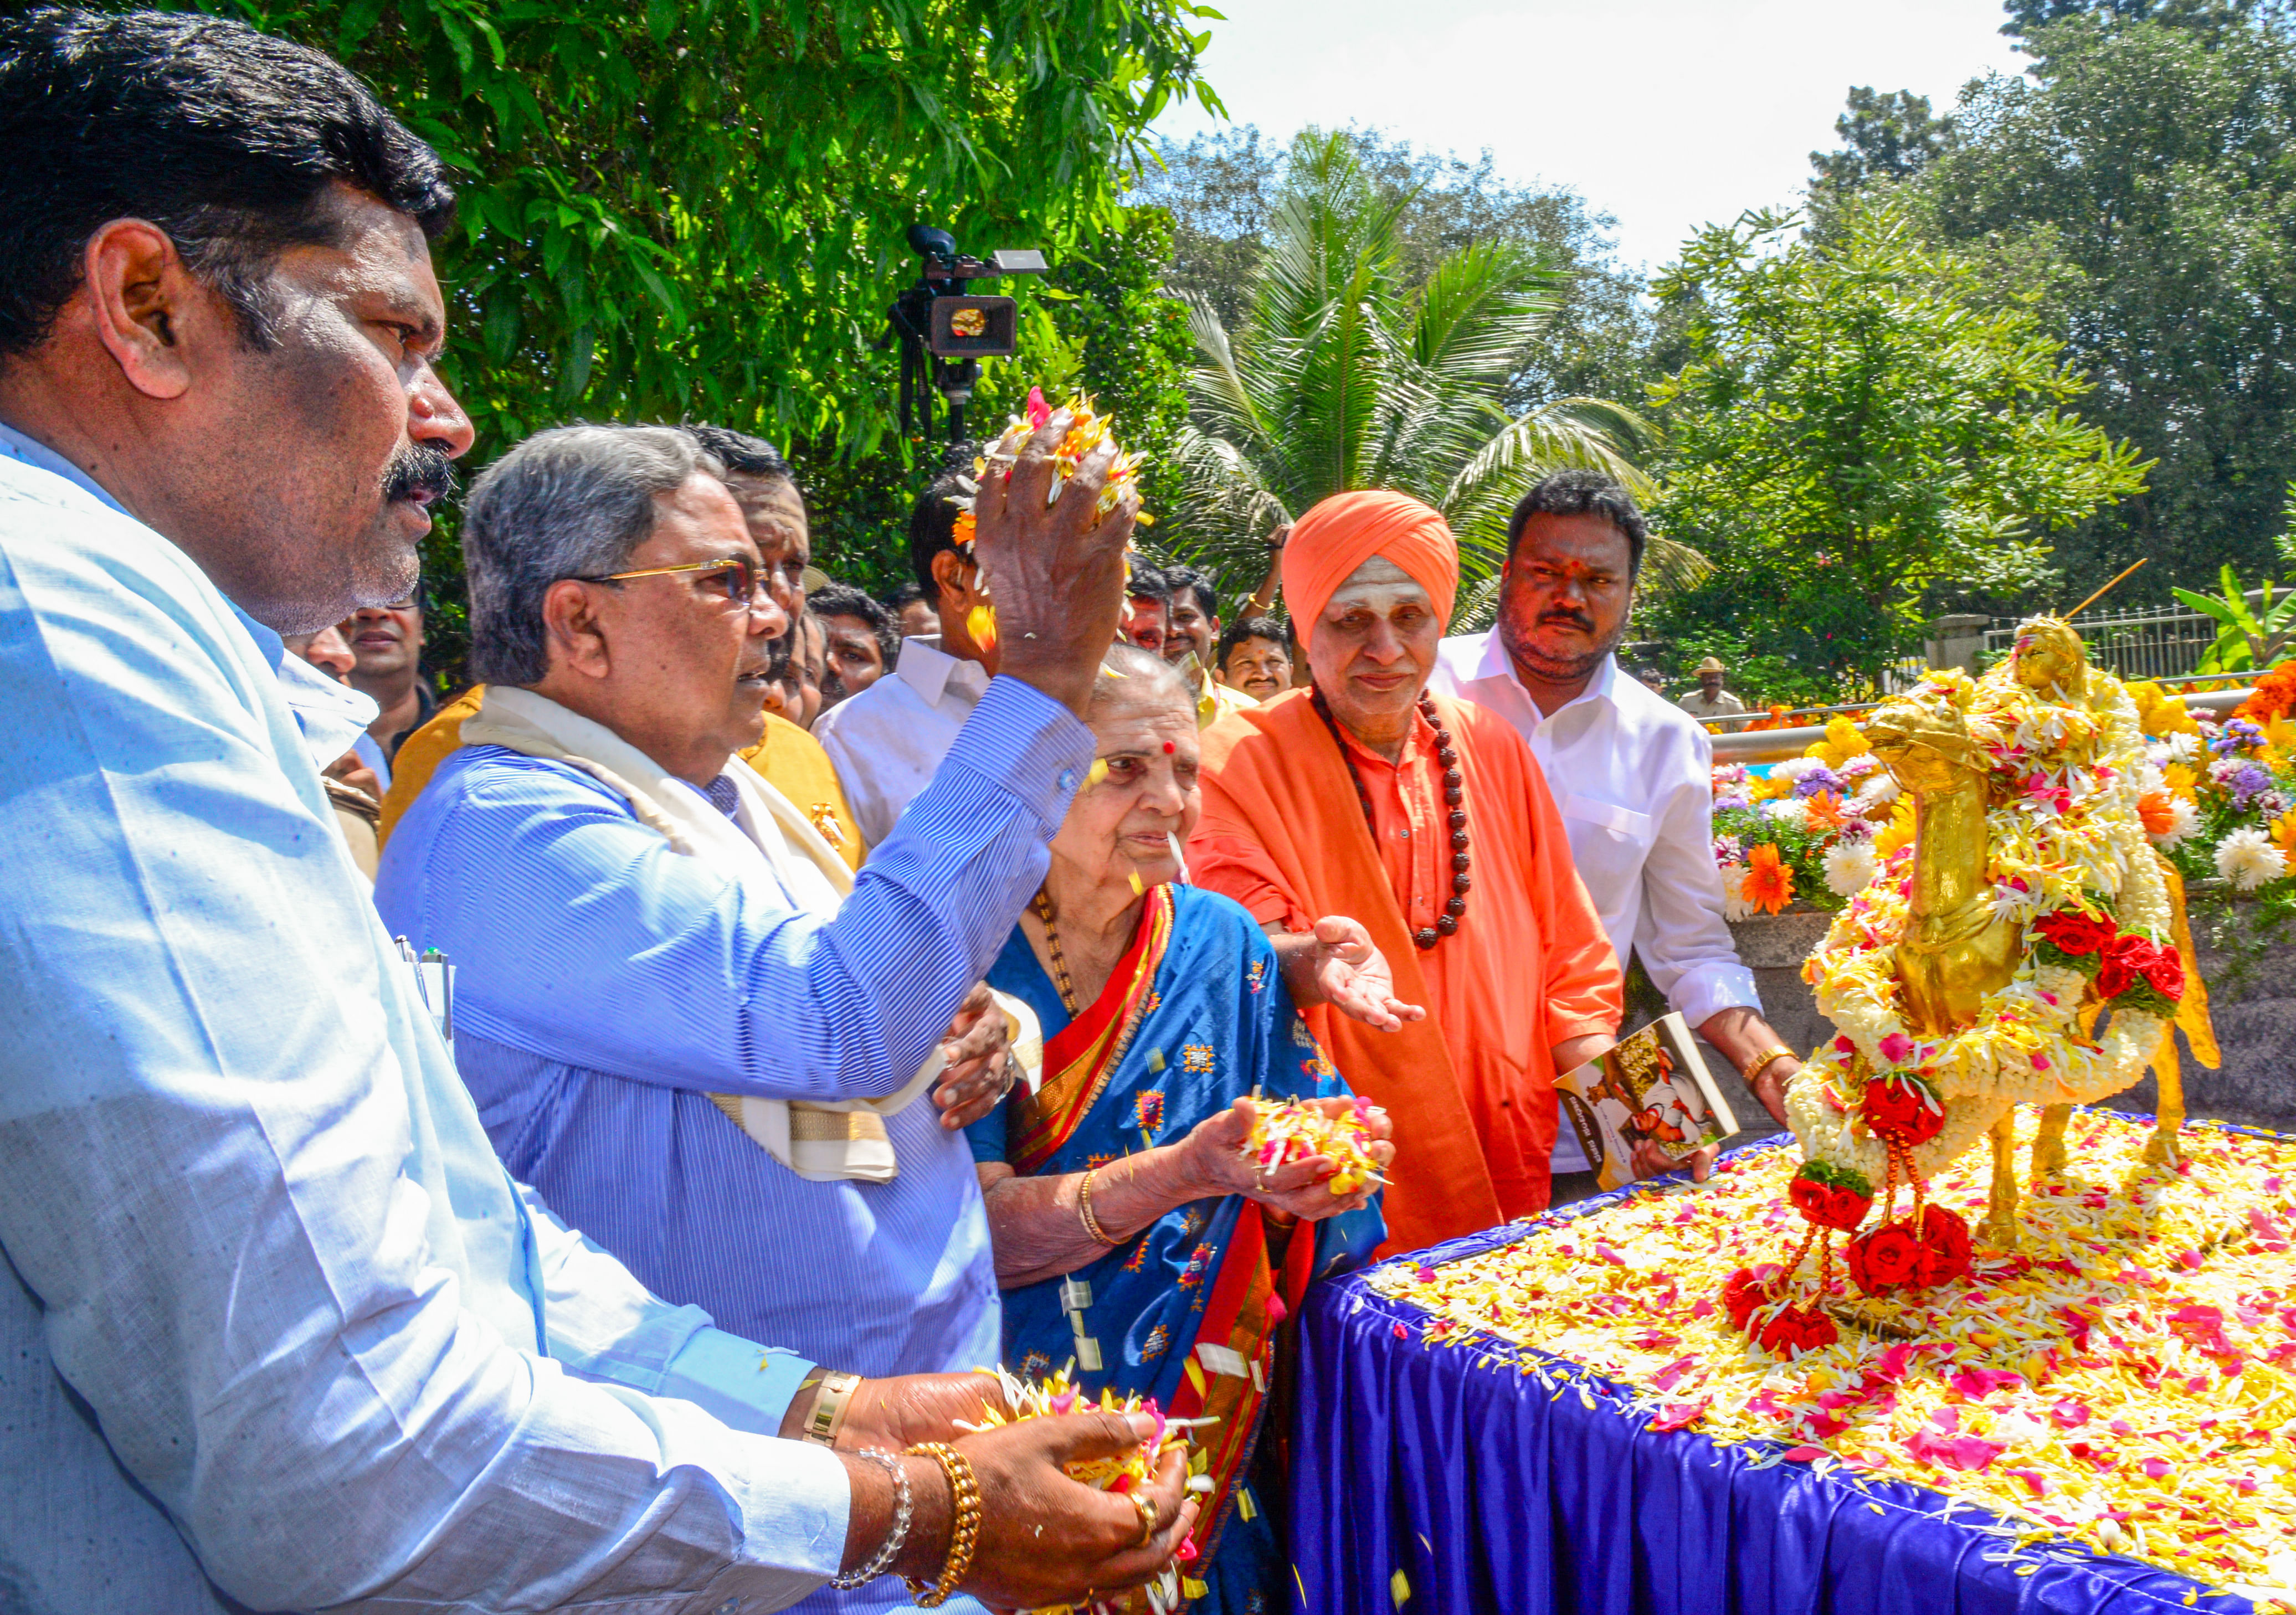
(2149, 642)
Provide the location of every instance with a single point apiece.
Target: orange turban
(1342, 532)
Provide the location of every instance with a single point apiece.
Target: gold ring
(1147, 1505)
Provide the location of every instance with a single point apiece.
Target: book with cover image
(1650, 1084)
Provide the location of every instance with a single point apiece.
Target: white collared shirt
(886, 742)
(1633, 775)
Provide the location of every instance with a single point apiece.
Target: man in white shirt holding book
(1630, 771)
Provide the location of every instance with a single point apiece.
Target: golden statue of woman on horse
(2028, 947)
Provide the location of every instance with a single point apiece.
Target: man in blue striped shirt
(647, 947)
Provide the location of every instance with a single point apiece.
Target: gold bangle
(965, 1532)
(1092, 1227)
(1763, 1061)
(831, 1399)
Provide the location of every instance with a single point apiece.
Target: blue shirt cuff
(745, 1385)
(1029, 743)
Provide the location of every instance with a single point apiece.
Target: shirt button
(732, 1606)
(1068, 783)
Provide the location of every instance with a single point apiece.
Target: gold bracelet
(965, 1532)
(1084, 1210)
(830, 1398)
(1763, 1061)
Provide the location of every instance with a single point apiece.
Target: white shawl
(822, 1140)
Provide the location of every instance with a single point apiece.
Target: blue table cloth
(1421, 1483)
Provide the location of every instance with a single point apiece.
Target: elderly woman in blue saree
(1133, 1235)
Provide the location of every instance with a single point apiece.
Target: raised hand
(1056, 571)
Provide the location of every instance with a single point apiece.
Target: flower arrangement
(1811, 831)
(1292, 1129)
(1135, 1467)
(2124, 1386)
(2221, 796)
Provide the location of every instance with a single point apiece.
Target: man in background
(1632, 775)
(1255, 657)
(863, 639)
(914, 611)
(386, 645)
(1710, 700)
(887, 740)
(1147, 610)
(1192, 643)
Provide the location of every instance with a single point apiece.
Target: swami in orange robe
(1471, 1088)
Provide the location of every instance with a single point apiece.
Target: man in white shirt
(887, 740)
(1631, 772)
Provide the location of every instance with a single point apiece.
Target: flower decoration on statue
(1974, 967)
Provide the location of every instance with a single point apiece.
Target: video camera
(944, 331)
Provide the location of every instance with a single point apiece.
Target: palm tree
(1343, 379)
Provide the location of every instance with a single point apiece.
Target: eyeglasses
(735, 574)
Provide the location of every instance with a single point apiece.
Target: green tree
(1854, 438)
(1888, 136)
(1222, 189)
(2141, 179)
(1342, 378)
(695, 209)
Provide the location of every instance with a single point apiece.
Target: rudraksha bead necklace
(1455, 800)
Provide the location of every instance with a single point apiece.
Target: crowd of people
(572, 1140)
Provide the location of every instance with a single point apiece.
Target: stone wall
(2254, 1009)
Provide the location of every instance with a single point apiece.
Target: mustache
(422, 469)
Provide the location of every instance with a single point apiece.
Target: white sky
(1667, 113)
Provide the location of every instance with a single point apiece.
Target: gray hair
(1131, 675)
(572, 502)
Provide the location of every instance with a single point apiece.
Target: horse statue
(1967, 756)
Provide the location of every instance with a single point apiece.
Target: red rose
(1901, 1109)
(1846, 1209)
(2074, 932)
(2126, 958)
(1945, 1247)
(2167, 975)
(1828, 1205)
(1742, 1292)
(1797, 1329)
(1884, 1259)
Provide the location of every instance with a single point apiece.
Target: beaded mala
(1454, 799)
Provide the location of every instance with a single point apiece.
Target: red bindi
(1169, 747)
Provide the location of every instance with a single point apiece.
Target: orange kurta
(1471, 1088)
(792, 760)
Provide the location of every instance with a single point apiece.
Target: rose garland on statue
(2068, 857)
